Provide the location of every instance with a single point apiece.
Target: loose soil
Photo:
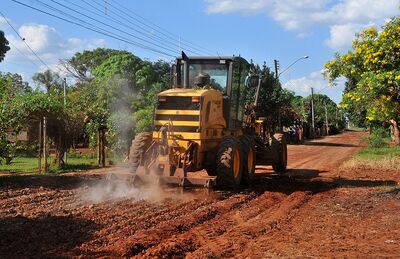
(314, 210)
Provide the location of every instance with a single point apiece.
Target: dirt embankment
(315, 210)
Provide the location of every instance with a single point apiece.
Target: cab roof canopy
(216, 58)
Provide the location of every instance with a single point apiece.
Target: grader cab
(205, 124)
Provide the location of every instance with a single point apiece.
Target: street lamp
(304, 57)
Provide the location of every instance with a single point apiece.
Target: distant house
(21, 136)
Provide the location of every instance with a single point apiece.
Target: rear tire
(249, 158)
(229, 163)
(279, 147)
(140, 144)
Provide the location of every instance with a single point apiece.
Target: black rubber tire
(229, 153)
(209, 163)
(139, 145)
(280, 148)
(249, 152)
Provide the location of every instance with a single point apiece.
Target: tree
(3, 46)
(274, 101)
(11, 111)
(119, 96)
(82, 64)
(335, 116)
(373, 75)
(49, 80)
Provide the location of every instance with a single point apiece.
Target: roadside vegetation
(372, 90)
(369, 158)
(378, 155)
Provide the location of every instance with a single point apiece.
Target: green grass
(30, 165)
(371, 153)
(384, 158)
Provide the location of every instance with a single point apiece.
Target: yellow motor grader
(203, 123)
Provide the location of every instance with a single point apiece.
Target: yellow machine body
(204, 124)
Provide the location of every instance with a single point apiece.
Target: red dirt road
(314, 210)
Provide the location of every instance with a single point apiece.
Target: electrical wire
(110, 26)
(99, 31)
(34, 53)
(156, 27)
(23, 54)
(138, 29)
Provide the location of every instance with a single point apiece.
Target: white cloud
(47, 43)
(364, 10)
(3, 24)
(343, 17)
(302, 86)
(341, 35)
(229, 6)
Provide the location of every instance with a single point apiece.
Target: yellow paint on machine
(178, 112)
(177, 123)
(184, 92)
(185, 135)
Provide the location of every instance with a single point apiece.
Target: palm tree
(49, 79)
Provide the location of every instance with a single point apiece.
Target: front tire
(279, 147)
(229, 163)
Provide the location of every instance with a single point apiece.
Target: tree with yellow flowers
(372, 70)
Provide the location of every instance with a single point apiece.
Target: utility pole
(326, 121)
(40, 148)
(336, 117)
(65, 91)
(45, 145)
(312, 113)
(65, 104)
(276, 63)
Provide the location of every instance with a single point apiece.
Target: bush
(26, 150)
(76, 154)
(378, 138)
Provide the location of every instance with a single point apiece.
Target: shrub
(378, 138)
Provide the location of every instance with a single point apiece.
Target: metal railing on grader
(203, 124)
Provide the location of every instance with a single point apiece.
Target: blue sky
(261, 30)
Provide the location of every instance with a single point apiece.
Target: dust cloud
(118, 186)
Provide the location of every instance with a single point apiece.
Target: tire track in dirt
(227, 234)
(132, 219)
(144, 239)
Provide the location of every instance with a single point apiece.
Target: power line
(23, 39)
(159, 29)
(99, 31)
(110, 26)
(139, 29)
(20, 52)
(102, 29)
(155, 27)
(23, 54)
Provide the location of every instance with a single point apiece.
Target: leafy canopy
(3, 46)
(372, 72)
